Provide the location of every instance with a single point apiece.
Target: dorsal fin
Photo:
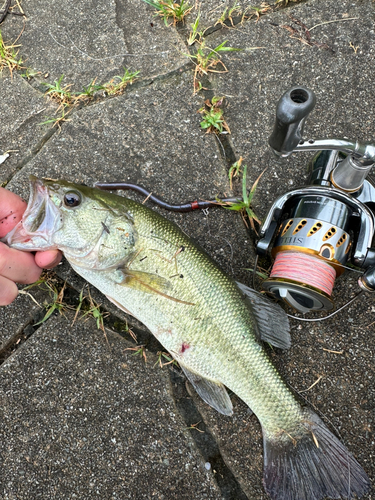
(212, 392)
(272, 321)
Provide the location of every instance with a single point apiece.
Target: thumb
(12, 208)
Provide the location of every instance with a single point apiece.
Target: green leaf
(205, 124)
(244, 190)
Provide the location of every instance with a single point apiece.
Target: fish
(213, 326)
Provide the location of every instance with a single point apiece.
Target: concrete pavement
(80, 416)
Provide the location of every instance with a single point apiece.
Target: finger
(48, 259)
(8, 291)
(18, 266)
(12, 208)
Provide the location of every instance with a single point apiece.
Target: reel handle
(291, 113)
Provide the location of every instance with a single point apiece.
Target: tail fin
(314, 466)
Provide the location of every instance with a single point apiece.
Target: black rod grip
(291, 113)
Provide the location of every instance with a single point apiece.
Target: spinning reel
(314, 231)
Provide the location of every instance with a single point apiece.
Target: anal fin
(272, 321)
(213, 393)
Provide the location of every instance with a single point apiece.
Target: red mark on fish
(184, 347)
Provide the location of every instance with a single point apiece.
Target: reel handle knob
(291, 113)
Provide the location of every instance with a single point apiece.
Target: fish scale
(210, 324)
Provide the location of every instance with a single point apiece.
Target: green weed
(48, 282)
(93, 310)
(260, 11)
(169, 10)
(90, 91)
(194, 34)
(213, 119)
(284, 3)
(58, 93)
(57, 121)
(169, 359)
(113, 88)
(228, 12)
(195, 427)
(56, 296)
(9, 56)
(30, 73)
(234, 171)
(207, 60)
(263, 273)
(67, 99)
(139, 350)
(244, 206)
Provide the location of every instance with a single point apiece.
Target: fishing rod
(184, 207)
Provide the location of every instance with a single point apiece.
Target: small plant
(194, 34)
(244, 206)
(206, 60)
(284, 3)
(56, 122)
(168, 9)
(234, 171)
(58, 93)
(228, 13)
(139, 350)
(9, 56)
(263, 273)
(260, 11)
(93, 310)
(57, 297)
(113, 88)
(213, 119)
(167, 357)
(89, 91)
(30, 73)
(195, 427)
(68, 99)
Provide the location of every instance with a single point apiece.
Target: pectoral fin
(272, 321)
(213, 393)
(149, 283)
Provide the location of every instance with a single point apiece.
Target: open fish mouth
(40, 221)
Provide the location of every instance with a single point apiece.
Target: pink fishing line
(305, 269)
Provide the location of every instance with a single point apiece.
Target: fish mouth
(39, 222)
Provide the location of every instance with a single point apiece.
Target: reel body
(313, 232)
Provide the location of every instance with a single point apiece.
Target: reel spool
(310, 248)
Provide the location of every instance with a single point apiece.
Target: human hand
(17, 266)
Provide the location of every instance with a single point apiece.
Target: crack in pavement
(204, 440)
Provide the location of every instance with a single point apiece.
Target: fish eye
(72, 199)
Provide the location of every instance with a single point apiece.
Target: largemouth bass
(211, 325)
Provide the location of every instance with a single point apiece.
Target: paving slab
(82, 418)
(85, 42)
(14, 319)
(22, 110)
